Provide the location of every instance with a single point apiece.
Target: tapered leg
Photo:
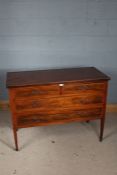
(102, 121)
(15, 138)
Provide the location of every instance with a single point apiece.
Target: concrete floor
(69, 149)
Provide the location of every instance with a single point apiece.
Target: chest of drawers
(57, 96)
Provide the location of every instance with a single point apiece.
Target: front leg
(15, 138)
(102, 121)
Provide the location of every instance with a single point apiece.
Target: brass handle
(61, 84)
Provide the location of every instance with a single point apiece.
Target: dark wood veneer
(54, 76)
(45, 97)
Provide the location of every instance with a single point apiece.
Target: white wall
(36, 34)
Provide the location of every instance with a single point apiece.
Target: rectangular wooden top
(37, 77)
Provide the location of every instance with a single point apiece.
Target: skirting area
(68, 149)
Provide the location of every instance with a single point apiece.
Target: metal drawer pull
(61, 85)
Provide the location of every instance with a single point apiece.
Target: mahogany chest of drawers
(57, 96)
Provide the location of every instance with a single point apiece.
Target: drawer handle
(61, 85)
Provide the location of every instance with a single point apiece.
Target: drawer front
(59, 104)
(88, 87)
(36, 91)
(38, 118)
(55, 90)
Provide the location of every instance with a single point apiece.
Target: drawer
(38, 118)
(58, 103)
(55, 90)
(36, 91)
(88, 87)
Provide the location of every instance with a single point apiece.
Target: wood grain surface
(40, 98)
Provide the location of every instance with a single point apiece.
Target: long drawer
(54, 90)
(25, 120)
(57, 104)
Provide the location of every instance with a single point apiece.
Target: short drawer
(59, 103)
(83, 87)
(36, 91)
(40, 118)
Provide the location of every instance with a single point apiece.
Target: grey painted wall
(37, 34)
